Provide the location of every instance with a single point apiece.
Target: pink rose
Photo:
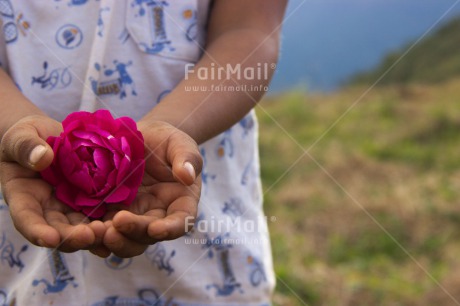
(98, 161)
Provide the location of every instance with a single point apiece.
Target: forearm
(13, 104)
(203, 113)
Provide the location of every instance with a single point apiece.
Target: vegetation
(432, 60)
(365, 191)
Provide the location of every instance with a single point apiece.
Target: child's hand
(169, 193)
(36, 213)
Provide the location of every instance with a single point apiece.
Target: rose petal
(130, 198)
(52, 141)
(94, 212)
(67, 160)
(84, 200)
(125, 147)
(69, 165)
(135, 140)
(126, 124)
(75, 120)
(55, 143)
(99, 180)
(78, 142)
(97, 130)
(115, 143)
(125, 165)
(52, 176)
(112, 178)
(120, 193)
(93, 137)
(84, 154)
(137, 146)
(67, 195)
(103, 160)
(104, 119)
(93, 154)
(134, 179)
(117, 159)
(110, 183)
(106, 141)
(83, 180)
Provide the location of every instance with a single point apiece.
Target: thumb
(25, 144)
(40, 157)
(186, 159)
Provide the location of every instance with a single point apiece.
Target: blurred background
(359, 140)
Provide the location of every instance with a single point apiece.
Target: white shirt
(125, 56)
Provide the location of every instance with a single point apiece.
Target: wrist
(153, 121)
(14, 104)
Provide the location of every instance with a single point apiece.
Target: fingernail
(189, 167)
(37, 154)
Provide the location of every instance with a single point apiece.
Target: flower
(98, 160)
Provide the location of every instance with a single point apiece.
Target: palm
(36, 213)
(168, 194)
(45, 220)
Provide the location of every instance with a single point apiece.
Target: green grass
(370, 212)
(434, 59)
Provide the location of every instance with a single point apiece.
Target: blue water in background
(325, 42)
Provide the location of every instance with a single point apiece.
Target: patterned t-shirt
(125, 56)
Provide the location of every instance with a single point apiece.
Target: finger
(98, 248)
(25, 143)
(101, 251)
(135, 227)
(27, 215)
(96, 226)
(185, 158)
(99, 230)
(122, 246)
(178, 221)
(73, 237)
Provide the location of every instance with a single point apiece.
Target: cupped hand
(168, 198)
(36, 213)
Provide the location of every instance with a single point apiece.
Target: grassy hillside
(368, 213)
(434, 59)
